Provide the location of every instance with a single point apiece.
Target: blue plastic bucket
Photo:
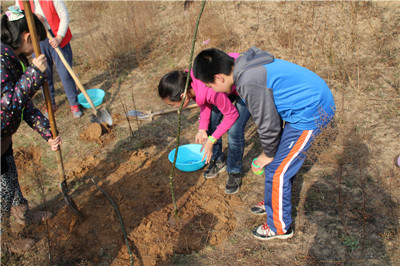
(96, 95)
(189, 157)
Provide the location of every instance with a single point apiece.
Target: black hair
(11, 31)
(172, 85)
(211, 62)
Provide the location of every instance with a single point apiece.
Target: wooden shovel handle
(73, 75)
(172, 110)
(37, 51)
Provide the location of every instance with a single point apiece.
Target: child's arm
(204, 120)
(230, 113)
(205, 98)
(16, 94)
(260, 102)
(205, 107)
(204, 116)
(37, 121)
(222, 102)
(63, 14)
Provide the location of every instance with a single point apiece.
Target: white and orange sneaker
(263, 232)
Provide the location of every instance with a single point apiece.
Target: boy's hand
(40, 62)
(54, 143)
(201, 136)
(261, 162)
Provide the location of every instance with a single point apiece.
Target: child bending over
(274, 90)
(19, 83)
(219, 113)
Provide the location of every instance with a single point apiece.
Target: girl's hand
(40, 62)
(261, 162)
(201, 136)
(207, 147)
(56, 41)
(54, 143)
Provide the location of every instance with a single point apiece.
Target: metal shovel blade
(102, 117)
(135, 114)
(68, 200)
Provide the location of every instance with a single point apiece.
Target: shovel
(98, 116)
(63, 183)
(135, 114)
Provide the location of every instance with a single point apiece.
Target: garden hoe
(101, 116)
(63, 183)
(135, 114)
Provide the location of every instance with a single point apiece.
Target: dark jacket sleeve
(21, 90)
(37, 121)
(260, 102)
(17, 89)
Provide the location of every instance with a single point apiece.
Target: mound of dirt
(140, 189)
(27, 156)
(29, 166)
(93, 132)
(97, 133)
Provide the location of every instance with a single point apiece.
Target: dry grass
(126, 47)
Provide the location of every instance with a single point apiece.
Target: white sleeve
(63, 14)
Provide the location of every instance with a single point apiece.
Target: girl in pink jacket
(219, 113)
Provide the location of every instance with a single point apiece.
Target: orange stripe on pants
(276, 182)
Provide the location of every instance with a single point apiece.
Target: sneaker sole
(258, 211)
(211, 177)
(216, 175)
(264, 238)
(232, 192)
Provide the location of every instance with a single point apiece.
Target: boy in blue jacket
(274, 91)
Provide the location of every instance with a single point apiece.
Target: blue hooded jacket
(276, 90)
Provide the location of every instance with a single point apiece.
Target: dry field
(345, 199)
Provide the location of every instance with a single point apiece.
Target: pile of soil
(97, 133)
(140, 189)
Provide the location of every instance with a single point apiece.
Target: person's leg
(215, 120)
(236, 144)
(12, 200)
(66, 79)
(279, 175)
(217, 163)
(11, 194)
(236, 139)
(9, 186)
